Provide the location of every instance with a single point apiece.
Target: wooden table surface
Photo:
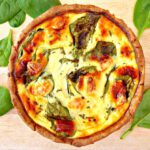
(15, 135)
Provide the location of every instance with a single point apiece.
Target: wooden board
(15, 135)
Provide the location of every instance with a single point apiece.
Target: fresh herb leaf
(34, 8)
(142, 15)
(17, 20)
(5, 101)
(5, 49)
(142, 115)
(8, 9)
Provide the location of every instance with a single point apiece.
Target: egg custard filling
(76, 74)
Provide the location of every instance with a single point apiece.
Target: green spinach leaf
(5, 49)
(57, 111)
(5, 101)
(142, 15)
(34, 8)
(142, 115)
(146, 122)
(8, 9)
(15, 11)
(18, 19)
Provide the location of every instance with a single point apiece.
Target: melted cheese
(91, 111)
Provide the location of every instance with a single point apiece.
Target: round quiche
(76, 74)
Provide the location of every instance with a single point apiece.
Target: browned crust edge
(134, 103)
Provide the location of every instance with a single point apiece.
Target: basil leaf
(142, 115)
(8, 9)
(5, 101)
(5, 49)
(34, 8)
(18, 19)
(142, 15)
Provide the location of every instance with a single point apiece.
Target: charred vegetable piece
(82, 30)
(128, 70)
(57, 111)
(34, 68)
(122, 88)
(37, 65)
(102, 48)
(21, 69)
(129, 84)
(74, 76)
(118, 92)
(64, 60)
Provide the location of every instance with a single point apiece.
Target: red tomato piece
(66, 126)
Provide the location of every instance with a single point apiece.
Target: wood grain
(15, 135)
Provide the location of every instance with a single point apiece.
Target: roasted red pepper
(65, 126)
(118, 89)
(128, 70)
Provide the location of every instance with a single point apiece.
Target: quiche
(76, 74)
